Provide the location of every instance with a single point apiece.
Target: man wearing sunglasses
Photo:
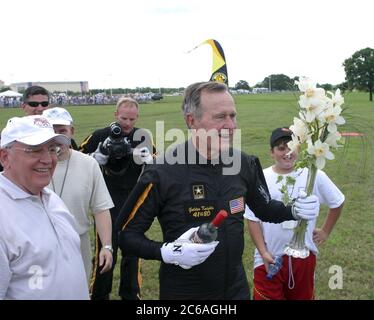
(40, 255)
(35, 100)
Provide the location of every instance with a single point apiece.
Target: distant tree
(278, 82)
(294, 79)
(326, 86)
(3, 89)
(342, 86)
(359, 71)
(242, 84)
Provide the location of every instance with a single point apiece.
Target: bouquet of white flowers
(315, 134)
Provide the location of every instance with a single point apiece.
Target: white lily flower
(300, 129)
(305, 84)
(332, 117)
(294, 145)
(312, 106)
(337, 98)
(333, 138)
(321, 151)
(319, 111)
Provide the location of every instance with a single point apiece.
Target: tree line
(359, 75)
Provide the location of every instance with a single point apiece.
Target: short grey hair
(192, 96)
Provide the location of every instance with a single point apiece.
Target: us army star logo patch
(198, 192)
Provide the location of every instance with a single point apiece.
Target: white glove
(142, 155)
(305, 207)
(101, 159)
(182, 252)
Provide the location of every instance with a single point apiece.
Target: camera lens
(115, 130)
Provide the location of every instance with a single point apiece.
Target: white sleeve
(5, 273)
(248, 214)
(327, 192)
(100, 198)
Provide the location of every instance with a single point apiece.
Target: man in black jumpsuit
(186, 194)
(120, 174)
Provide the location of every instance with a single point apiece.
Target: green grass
(350, 244)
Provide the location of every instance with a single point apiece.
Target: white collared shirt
(40, 254)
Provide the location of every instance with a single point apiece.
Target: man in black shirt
(121, 150)
(208, 176)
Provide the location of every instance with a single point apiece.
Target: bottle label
(195, 238)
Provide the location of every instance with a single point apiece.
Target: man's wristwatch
(108, 247)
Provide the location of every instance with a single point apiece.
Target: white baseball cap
(31, 130)
(58, 116)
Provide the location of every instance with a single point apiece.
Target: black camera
(116, 146)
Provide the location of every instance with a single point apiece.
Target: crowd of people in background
(10, 102)
(63, 99)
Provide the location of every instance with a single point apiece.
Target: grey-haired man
(39, 249)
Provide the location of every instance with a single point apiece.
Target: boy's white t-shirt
(277, 235)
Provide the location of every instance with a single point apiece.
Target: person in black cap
(279, 133)
(295, 279)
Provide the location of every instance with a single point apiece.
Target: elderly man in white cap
(40, 255)
(80, 184)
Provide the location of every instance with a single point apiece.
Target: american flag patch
(237, 205)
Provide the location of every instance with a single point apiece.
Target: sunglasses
(34, 104)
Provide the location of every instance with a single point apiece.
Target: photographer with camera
(121, 150)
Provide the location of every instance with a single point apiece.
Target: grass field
(350, 246)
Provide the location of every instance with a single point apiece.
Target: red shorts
(283, 286)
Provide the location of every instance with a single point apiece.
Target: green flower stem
(312, 173)
(299, 231)
(299, 234)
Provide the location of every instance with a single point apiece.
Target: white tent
(10, 93)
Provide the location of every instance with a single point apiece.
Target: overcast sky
(130, 43)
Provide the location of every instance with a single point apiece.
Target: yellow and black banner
(219, 68)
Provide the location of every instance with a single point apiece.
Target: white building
(58, 86)
(260, 90)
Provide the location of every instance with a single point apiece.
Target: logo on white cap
(42, 123)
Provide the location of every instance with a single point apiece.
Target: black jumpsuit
(183, 196)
